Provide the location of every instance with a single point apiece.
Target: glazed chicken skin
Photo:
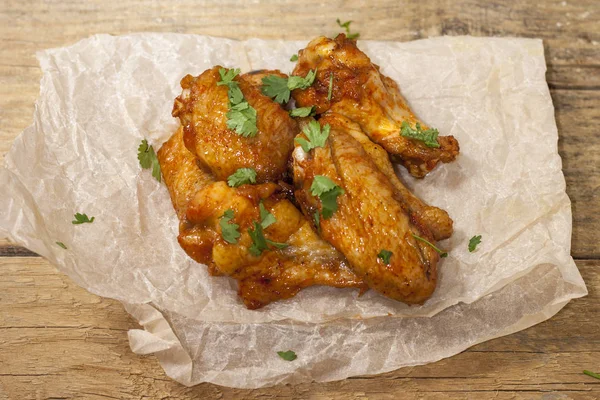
(373, 214)
(201, 201)
(361, 93)
(202, 109)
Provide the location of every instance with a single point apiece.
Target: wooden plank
(59, 341)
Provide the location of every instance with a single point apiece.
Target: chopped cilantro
(328, 192)
(385, 256)
(316, 135)
(82, 219)
(241, 177)
(428, 136)
(148, 159)
(475, 240)
(229, 230)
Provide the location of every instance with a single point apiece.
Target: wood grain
(59, 341)
(56, 339)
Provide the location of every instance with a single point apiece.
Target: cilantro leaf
(259, 242)
(287, 355)
(346, 26)
(82, 219)
(276, 87)
(298, 82)
(279, 88)
(147, 158)
(475, 240)
(294, 58)
(266, 218)
(241, 116)
(385, 256)
(61, 244)
(330, 92)
(328, 192)
(317, 136)
(585, 371)
(241, 177)
(242, 119)
(227, 76)
(442, 253)
(277, 244)
(317, 221)
(303, 112)
(428, 136)
(229, 230)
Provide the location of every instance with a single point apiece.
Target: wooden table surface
(58, 341)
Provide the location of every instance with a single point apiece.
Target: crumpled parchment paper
(100, 97)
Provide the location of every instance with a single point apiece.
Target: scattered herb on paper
(229, 230)
(61, 244)
(428, 136)
(475, 240)
(241, 177)
(82, 219)
(148, 159)
(442, 253)
(294, 58)
(287, 355)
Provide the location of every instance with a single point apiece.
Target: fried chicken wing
(201, 201)
(374, 214)
(361, 93)
(202, 109)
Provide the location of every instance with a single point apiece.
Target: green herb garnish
(241, 177)
(148, 159)
(61, 244)
(428, 136)
(385, 256)
(346, 25)
(279, 89)
(475, 240)
(82, 219)
(241, 116)
(316, 135)
(303, 112)
(287, 355)
(328, 192)
(442, 253)
(229, 230)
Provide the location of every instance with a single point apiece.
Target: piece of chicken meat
(276, 273)
(375, 213)
(349, 84)
(202, 109)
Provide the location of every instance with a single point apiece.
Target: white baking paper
(100, 97)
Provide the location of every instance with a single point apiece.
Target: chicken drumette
(349, 84)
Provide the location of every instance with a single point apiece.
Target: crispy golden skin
(374, 214)
(202, 108)
(276, 274)
(361, 93)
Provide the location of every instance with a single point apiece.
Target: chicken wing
(348, 83)
(201, 201)
(202, 109)
(374, 214)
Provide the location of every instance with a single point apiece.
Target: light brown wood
(59, 341)
(55, 337)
